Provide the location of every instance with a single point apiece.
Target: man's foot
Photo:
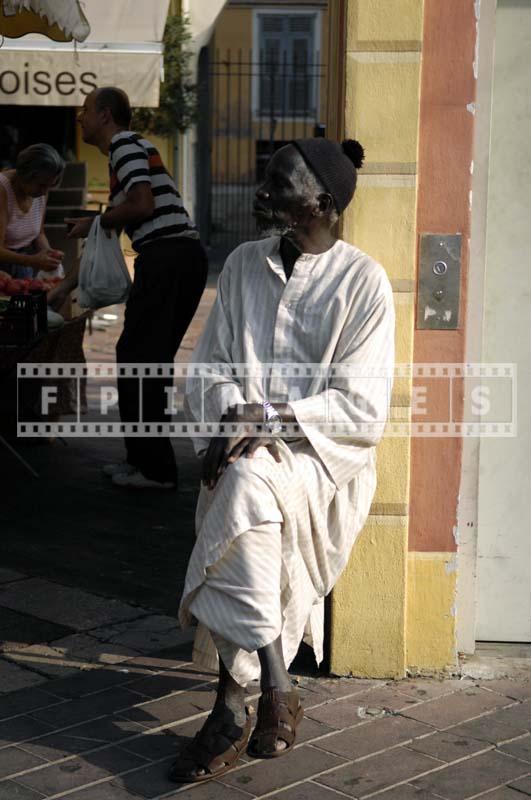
(123, 468)
(279, 714)
(135, 480)
(215, 749)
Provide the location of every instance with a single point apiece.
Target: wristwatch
(273, 420)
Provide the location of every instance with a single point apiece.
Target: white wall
(466, 529)
(504, 511)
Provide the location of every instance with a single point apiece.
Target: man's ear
(325, 204)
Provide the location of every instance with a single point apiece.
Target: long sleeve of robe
(329, 334)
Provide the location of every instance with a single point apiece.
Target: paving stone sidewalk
(109, 729)
(99, 710)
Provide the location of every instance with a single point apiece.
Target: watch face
(275, 426)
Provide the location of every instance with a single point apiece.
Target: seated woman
(24, 248)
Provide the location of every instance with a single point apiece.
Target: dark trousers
(170, 275)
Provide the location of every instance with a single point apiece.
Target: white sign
(123, 48)
(56, 77)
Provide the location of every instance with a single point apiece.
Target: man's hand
(249, 445)
(81, 227)
(223, 450)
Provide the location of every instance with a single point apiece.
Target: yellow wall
(370, 631)
(430, 639)
(97, 163)
(367, 634)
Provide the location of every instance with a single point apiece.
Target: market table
(59, 345)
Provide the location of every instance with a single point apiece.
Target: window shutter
(300, 23)
(270, 81)
(301, 80)
(272, 23)
(287, 40)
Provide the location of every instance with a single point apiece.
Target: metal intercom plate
(439, 281)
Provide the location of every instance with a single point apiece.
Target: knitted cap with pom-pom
(334, 164)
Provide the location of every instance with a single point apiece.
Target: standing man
(283, 498)
(170, 275)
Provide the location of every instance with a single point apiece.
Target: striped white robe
(336, 309)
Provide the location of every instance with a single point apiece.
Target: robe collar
(274, 259)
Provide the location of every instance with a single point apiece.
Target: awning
(61, 20)
(124, 48)
(203, 15)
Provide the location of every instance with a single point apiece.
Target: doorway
(21, 126)
(504, 541)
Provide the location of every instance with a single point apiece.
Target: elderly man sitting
(283, 500)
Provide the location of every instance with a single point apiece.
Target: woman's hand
(48, 260)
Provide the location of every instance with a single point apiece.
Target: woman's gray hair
(39, 159)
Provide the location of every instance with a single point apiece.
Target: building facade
(264, 80)
(430, 88)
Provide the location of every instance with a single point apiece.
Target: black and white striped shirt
(133, 159)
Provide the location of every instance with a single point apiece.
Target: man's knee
(259, 467)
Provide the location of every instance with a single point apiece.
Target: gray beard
(273, 228)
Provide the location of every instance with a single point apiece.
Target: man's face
(90, 119)
(284, 200)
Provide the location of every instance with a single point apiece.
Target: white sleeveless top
(22, 228)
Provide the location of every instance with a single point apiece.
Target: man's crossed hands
(224, 450)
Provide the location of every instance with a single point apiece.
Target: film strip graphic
(485, 396)
(110, 369)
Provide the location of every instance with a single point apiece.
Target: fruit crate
(24, 319)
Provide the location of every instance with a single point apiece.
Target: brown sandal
(201, 752)
(279, 714)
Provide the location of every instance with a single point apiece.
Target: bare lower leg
(273, 668)
(230, 696)
(273, 676)
(229, 707)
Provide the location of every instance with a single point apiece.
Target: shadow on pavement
(72, 526)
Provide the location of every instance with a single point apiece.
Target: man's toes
(186, 773)
(267, 746)
(197, 772)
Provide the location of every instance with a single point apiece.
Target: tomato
(15, 286)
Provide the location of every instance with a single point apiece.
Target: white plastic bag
(58, 272)
(103, 276)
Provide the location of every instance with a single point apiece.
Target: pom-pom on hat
(334, 164)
